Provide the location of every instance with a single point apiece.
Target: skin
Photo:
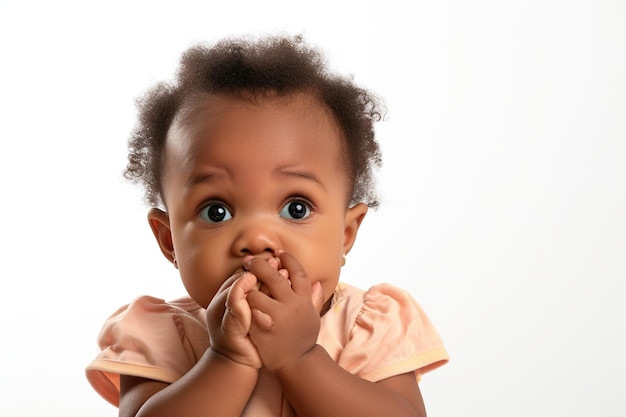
(257, 223)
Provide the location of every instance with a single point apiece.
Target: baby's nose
(257, 239)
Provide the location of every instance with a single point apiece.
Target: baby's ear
(352, 222)
(160, 225)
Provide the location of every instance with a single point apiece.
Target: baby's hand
(229, 318)
(285, 324)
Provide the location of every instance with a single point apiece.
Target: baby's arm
(222, 381)
(286, 335)
(316, 386)
(216, 386)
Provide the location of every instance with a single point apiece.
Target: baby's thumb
(317, 296)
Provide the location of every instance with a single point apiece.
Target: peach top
(374, 334)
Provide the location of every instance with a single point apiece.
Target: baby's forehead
(297, 116)
(197, 110)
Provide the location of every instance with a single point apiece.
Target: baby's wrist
(233, 359)
(296, 364)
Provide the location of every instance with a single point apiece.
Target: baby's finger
(299, 280)
(217, 307)
(275, 281)
(260, 301)
(236, 297)
(262, 288)
(274, 261)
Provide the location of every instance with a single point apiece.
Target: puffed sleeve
(391, 335)
(147, 338)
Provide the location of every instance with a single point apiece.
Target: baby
(258, 164)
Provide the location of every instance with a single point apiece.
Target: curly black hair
(243, 66)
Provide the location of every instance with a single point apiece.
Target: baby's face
(244, 177)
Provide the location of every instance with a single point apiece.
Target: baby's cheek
(330, 281)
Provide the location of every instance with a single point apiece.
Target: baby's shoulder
(147, 315)
(146, 305)
(151, 338)
(376, 297)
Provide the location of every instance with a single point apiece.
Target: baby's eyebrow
(203, 177)
(293, 172)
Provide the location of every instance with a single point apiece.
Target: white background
(504, 189)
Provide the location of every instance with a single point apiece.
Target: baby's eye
(215, 213)
(295, 210)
